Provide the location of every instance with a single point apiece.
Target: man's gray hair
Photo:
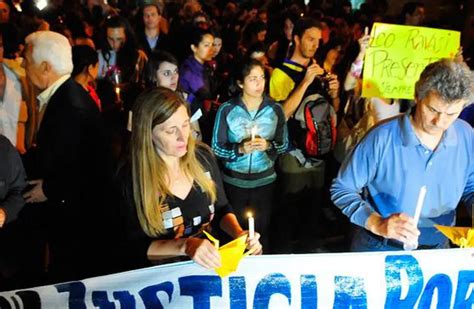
(451, 80)
(53, 48)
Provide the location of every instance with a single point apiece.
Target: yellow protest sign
(397, 55)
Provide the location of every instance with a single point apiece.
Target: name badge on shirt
(197, 220)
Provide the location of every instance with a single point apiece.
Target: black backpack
(319, 120)
(314, 125)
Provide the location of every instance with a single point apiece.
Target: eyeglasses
(168, 73)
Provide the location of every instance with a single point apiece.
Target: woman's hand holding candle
(253, 245)
(246, 147)
(260, 144)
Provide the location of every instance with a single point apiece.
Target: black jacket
(161, 44)
(12, 180)
(70, 155)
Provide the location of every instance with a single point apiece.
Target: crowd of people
(129, 129)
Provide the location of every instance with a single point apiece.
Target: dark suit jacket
(162, 43)
(71, 156)
(12, 180)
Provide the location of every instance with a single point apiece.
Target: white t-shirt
(384, 108)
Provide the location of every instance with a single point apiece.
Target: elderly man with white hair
(68, 173)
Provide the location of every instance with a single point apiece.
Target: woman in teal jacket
(249, 133)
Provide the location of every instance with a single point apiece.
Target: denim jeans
(363, 241)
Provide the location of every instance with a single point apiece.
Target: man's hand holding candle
(398, 226)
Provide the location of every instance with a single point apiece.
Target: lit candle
(117, 92)
(251, 225)
(416, 217)
(41, 4)
(253, 131)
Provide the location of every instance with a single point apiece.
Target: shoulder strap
(299, 114)
(297, 77)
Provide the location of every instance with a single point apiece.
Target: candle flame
(249, 214)
(117, 90)
(41, 4)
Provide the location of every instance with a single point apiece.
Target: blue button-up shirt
(391, 165)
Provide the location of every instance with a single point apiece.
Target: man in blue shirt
(378, 184)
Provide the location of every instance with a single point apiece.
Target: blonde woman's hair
(150, 187)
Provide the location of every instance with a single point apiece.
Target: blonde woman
(171, 187)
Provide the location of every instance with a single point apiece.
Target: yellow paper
(397, 55)
(461, 236)
(231, 254)
(212, 239)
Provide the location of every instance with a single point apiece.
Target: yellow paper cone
(461, 236)
(231, 254)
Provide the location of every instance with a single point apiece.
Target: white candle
(416, 217)
(117, 77)
(419, 203)
(129, 122)
(251, 225)
(253, 132)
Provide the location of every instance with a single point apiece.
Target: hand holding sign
(363, 43)
(459, 57)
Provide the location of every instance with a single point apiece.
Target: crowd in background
(222, 83)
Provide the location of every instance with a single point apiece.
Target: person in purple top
(196, 78)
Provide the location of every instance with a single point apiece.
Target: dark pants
(22, 253)
(299, 205)
(257, 200)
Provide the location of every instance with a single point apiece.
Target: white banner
(422, 279)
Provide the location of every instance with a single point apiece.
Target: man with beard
(302, 179)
